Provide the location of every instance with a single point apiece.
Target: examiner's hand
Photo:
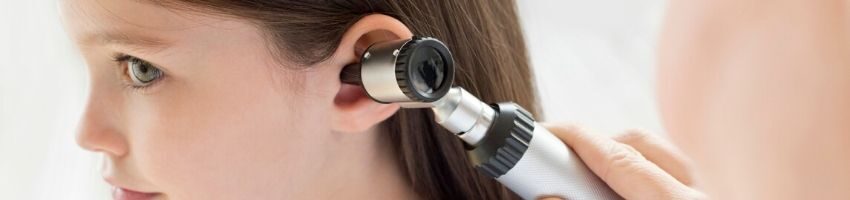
(636, 165)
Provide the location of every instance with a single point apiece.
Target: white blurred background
(594, 62)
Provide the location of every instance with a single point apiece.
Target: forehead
(137, 22)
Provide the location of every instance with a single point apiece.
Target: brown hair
(489, 51)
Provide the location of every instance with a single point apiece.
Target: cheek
(231, 140)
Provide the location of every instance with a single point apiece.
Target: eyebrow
(135, 41)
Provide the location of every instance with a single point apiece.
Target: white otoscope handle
(505, 143)
(549, 168)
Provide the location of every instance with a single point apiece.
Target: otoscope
(503, 140)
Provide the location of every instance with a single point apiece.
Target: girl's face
(191, 106)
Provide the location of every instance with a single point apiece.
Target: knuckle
(623, 158)
(625, 155)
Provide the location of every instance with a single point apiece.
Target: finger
(622, 167)
(662, 153)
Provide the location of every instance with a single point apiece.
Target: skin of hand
(636, 165)
(757, 93)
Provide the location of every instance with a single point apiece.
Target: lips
(125, 194)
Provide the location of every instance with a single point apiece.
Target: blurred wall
(593, 61)
(42, 92)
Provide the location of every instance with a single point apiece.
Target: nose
(97, 131)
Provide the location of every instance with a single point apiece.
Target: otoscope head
(416, 70)
(418, 73)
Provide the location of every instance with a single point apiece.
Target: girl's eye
(142, 72)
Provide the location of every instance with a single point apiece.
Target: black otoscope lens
(424, 69)
(428, 71)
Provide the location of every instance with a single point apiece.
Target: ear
(354, 111)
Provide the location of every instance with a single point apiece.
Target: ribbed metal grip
(506, 141)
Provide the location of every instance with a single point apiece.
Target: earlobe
(354, 110)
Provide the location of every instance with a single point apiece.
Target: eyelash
(122, 60)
